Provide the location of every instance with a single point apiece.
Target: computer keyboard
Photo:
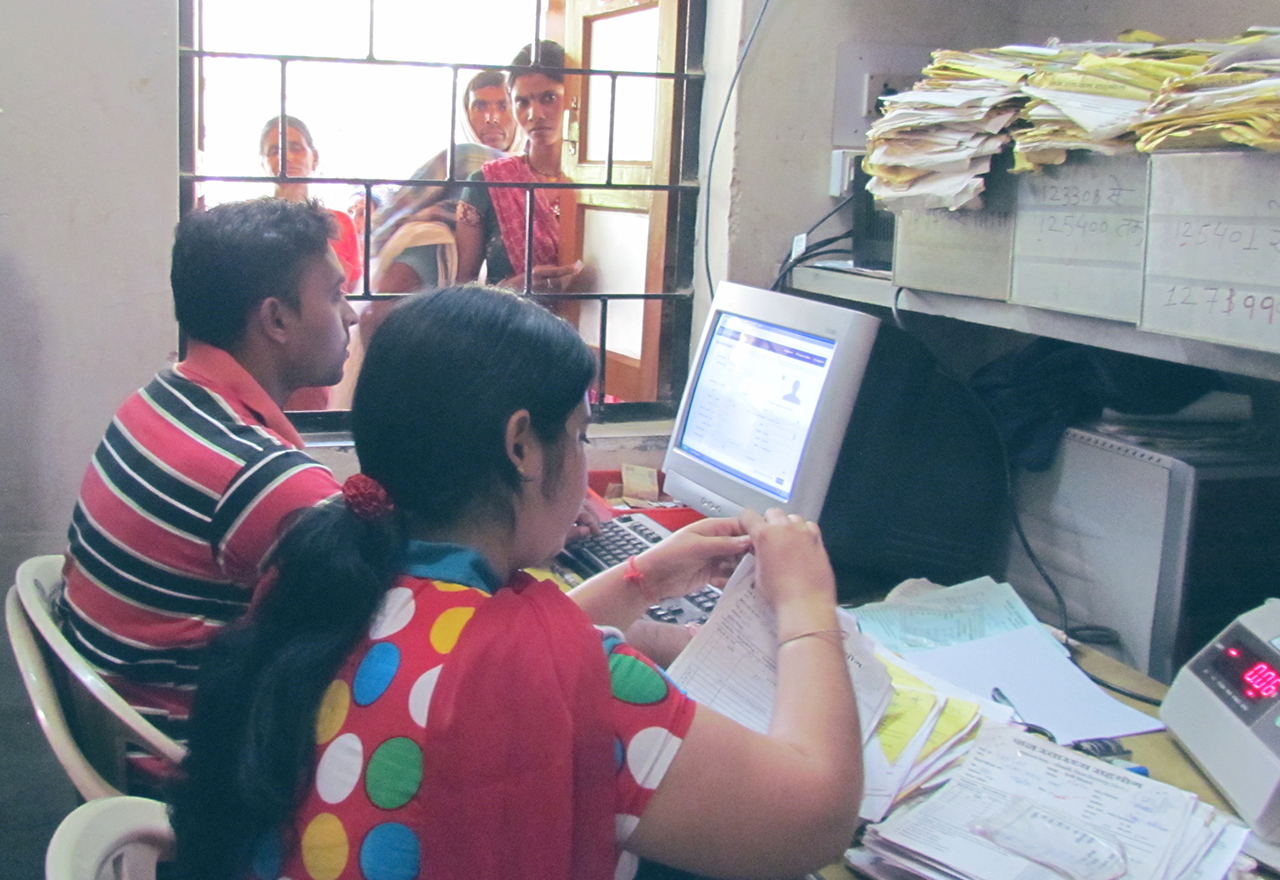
(629, 535)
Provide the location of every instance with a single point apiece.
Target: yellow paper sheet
(906, 715)
(956, 716)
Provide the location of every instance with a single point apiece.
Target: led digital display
(1251, 676)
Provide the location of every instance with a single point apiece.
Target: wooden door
(621, 234)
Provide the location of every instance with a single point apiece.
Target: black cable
(715, 142)
(810, 251)
(806, 254)
(1150, 701)
(803, 257)
(827, 216)
(1086, 633)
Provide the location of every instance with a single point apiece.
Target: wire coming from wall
(715, 142)
(817, 248)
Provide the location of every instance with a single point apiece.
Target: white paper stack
(934, 143)
(980, 636)
(731, 665)
(1022, 808)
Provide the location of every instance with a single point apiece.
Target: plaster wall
(88, 199)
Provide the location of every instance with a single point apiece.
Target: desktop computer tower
(919, 487)
(1166, 548)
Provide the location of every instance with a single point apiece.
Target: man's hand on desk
(586, 525)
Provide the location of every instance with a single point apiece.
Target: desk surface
(1156, 751)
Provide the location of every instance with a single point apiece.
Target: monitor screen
(754, 399)
(768, 399)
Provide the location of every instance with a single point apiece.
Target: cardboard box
(963, 252)
(1080, 236)
(1213, 248)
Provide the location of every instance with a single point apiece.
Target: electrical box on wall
(865, 72)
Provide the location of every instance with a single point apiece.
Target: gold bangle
(816, 632)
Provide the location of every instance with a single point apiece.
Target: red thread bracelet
(633, 575)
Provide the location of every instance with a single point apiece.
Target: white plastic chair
(85, 721)
(113, 838)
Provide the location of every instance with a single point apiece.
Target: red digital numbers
(1262, 677)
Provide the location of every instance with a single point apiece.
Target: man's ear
(523, 449)
(271, 319)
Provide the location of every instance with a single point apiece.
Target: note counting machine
(1224, 708)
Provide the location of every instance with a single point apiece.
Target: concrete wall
(771, 170)
(88, 199)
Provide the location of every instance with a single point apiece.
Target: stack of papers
(1094, 102)
(980, 636)
(1233, 98)
(934, 143)
(915, 726)
(731, 665)
(933, 146)
(1022, 807)
(926, 731)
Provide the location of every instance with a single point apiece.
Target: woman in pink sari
(491, 228)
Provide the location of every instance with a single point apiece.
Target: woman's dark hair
(441, 378)
(231, 257)
(550, 62)
(273, 124)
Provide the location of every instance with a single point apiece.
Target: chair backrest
(113, 838)
(86, 722)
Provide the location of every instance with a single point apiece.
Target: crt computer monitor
(768, 399)
(824, 411)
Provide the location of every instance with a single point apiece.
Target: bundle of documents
(1233, 98)
(922, 737)
(953, 791)
(731, 665)
(915, 726)
(934, 143)
(981, 636)
(1022, 807)
(1093, 102)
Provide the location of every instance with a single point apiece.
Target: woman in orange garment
(301, 159)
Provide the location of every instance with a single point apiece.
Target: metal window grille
(680, 184)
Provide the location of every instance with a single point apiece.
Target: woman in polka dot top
(404, 702)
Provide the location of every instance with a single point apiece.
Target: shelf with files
(1100, 332)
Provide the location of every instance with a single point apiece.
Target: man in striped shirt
(200, 470)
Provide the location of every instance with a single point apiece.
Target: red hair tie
(366, 498)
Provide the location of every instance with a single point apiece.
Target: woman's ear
(523, 448)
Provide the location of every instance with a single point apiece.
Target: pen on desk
(999, 697)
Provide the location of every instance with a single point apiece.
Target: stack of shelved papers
(1022, 808)
(934, 143)
(1093, 103)
(933, 146)
(1232, 98)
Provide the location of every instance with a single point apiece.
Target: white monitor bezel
(715, 493)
